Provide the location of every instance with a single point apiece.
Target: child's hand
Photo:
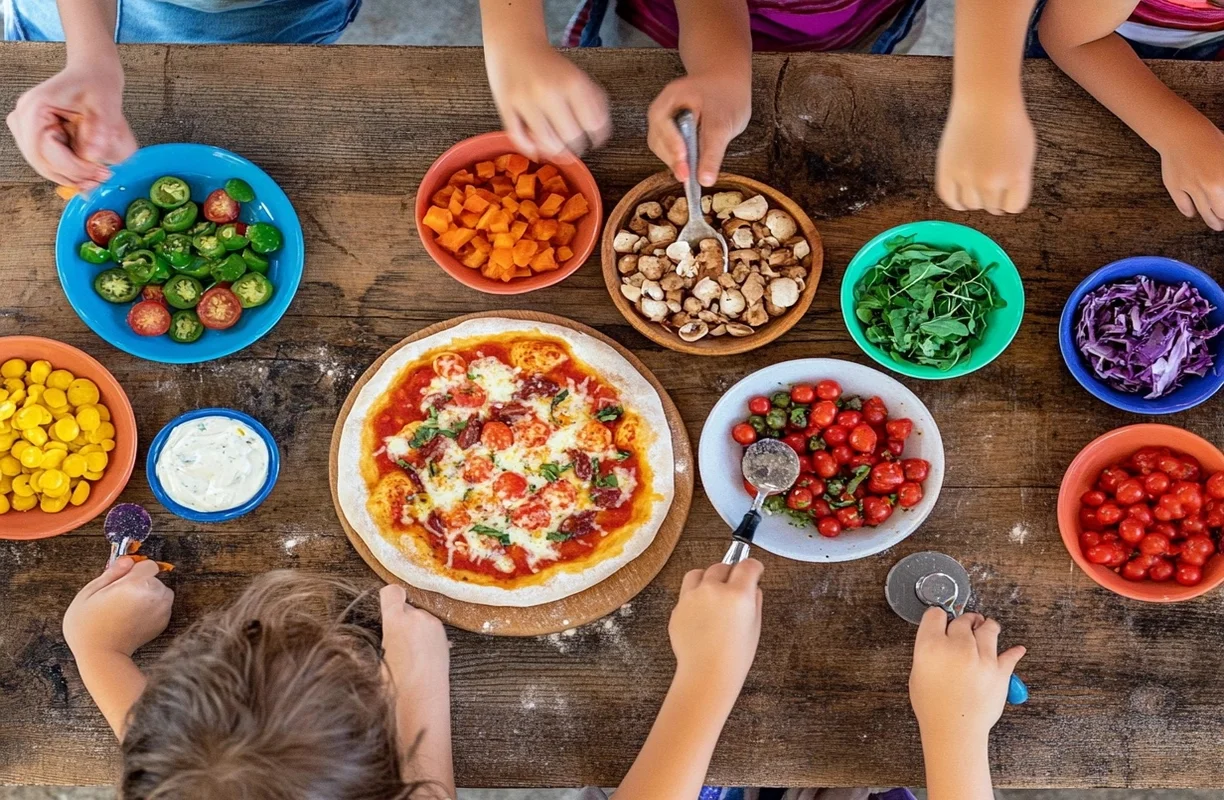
(722, 104)
(118, 611)
(986, 157)
(716, 624)
(549, 107)
(70, 126)
(1192, 164)
(414, 645)
(958, 684)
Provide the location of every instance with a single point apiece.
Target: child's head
(280, 695)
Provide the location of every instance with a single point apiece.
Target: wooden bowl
(35, 523)
(486, 147)
(661, 185)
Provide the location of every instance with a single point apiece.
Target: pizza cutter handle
(1017, 691)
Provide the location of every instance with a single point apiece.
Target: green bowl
(1001, 324)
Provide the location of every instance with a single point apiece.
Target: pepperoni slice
(478, 469)
(450, 365)
(531, 432)
(496, 435)
(532, 515)
(509, 485)
(468, 395)
(560, 493)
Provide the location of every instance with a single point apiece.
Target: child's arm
(417, 656)
(716, 48)
(549, 107)
(1080, 38)
(114, 615)
(714, 631)
(71, 125)
(988, 147)
(958, 687)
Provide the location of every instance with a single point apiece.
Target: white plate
(719, 459)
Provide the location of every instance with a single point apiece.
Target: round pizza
(506, 462)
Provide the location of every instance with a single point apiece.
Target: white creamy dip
(212, 464)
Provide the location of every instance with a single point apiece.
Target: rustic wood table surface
(1124, 694)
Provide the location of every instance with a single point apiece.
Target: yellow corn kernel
(39, 371)
(80, 441)
(104, 431)
(18, 446)
(23, 502)
(54, 482)
(17, 396)
(90, 448)
(52, 459)
(88, 418)
(49, 446)
(13, 368)
(9, 466)
(107, 445)
(92, 476)
(59, 413)
(22, 487)
(35, 436)
(66, 429)
(33, 393)
(35, 477)
(13, 384)
(74, 465)
(82, 392)
(96, 461)
(6, 441)
(6, 484)
(8, 408)
(55, 399)
(31, 457)
(53, 505)
(103, 412)
(80, 493)
(4, 504)
(45, 416)
(26, 418)
(60, 379)
(4, 393)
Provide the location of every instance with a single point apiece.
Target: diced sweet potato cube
(454, 240)
(544, 261)
(555, 184)
(544, 229)
(492, 197)
(469, 190)
(565, 234)
(575, 208)
(525, 186)
(481, 243)
(461, 178)
(477, 204)
(469, 219)
(517, 165)
(503, 241)
(501, 186)
(521, 272)
(485, 170)
(455, 205)
(524, 250)
(564, 254)
(500, 222)
(502, 161)
(502, 258)
(443, 195)
(517, 229)
(510, 204)
(529, 211)
(439, 219)
(547, 171)
(551, 205)
(487, 218)
(475, 259)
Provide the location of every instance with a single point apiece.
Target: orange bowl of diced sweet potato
(496, 221)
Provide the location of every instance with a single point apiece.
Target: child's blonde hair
(279, 695)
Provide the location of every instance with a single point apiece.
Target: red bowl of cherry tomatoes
(1146, 520)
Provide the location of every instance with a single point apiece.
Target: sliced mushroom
(692, 305)
(673, 281)
(705, 315)
(760, 231)
(756, 315)
(742, 237)
(627, 264)
(739, 330)
(772, 309)
(752, 209)
(641, 244)
(632, 293)
(654, 310)
(801, 249)
(796, 271)
(636, 279)
(680, 319)
(706, 291)
(678, 213)
(626, 242)
(710, 262)
(653, 290)
(707, 203)
(753, 288)
(650, 210)
(678, 250)
(661, 235)
(732, 302)
(651, 267)
(687, 268)
(693, 331)
(781, 225)
(718, 330)
(638, 225)
(727, 281)
(740, 272)
(674, 306)
(725, 201)
(783, 292)
(674, 296)
(780, 258)
(709, 246)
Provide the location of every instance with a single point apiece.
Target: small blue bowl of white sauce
(212, 465)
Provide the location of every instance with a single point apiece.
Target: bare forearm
(89, 32)
(715, 36)
(989, 42)
(674, 761)
(957, 770)
(424, 722)
(114, 682)
(506, 24)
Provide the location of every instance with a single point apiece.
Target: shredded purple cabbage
(1143, 336)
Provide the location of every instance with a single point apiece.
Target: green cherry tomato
(776, 418)
(154, 236)
(254, 261)
(169, 192)
(140, 266)
(183, 291)
(185, 327)
(780, 400)
(181, 218)
(176, 249)
(240, 190)
(229, 270)
(114, 286)
(141, 216)
(200, 267)
(253, 289)
(123, 243)
(264, 238)
(94, 253)
(209, 245)
(202, 227)
(230, 237)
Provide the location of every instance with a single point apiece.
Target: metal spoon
(696, 229)
(125, 524)
(771, 467)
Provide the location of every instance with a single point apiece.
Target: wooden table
(1124, 694)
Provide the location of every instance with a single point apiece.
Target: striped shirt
(1175, 23)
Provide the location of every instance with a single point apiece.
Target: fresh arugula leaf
(608, 414)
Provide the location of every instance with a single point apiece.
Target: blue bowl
(1166, 270)
(212, 516)
(205, 169)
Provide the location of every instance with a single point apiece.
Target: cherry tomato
(1141, 512)
(1137, 568)
(1190, 495)
(1110, 478)
(1188, 574)
(1154, 544)
(823, 414)
(909, 495)
(1129, 492)
(899, 428)
(1089, 539)
(153, 292)
(1156, 483)
(219, 308)
(799, 498)
(843, 454)
(220, 208)
(849, 418)
(820, 508)
(829, 526)
(864, 460)
(450, 365)
(1109, 513)
(805, 462)
(886, 477)
(1099, 554)
(759, 405)
(1129, 530)
(1163, 527)
(1147, 459)
(1088, 519)
(149, 318)
(894, 447)
(874, 411)
(1093, 498)
(1193, 470)
(824, 464)
(828, 390)
(916, 469)
(1170, 505)
(803, 393)
(1161, 571)
(876, 510)
(102, 225)
(1215, 514)
(1192, 524)
(862, 438)
(1197, 549)
(850, 518)
(835, 435)
(810, 481)
(797, 442)
(1215, 485)
(1119, 555)
(744, 434)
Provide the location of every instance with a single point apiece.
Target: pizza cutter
(126, 524)
(923, 580)
(771, 467)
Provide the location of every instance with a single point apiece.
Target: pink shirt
(1189, 15)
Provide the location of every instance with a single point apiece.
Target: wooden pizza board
(577, 609)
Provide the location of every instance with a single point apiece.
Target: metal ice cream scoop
(923, 580)
(771, 467)
(696, 229)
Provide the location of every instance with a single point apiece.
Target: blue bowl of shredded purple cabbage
(1144, 335)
